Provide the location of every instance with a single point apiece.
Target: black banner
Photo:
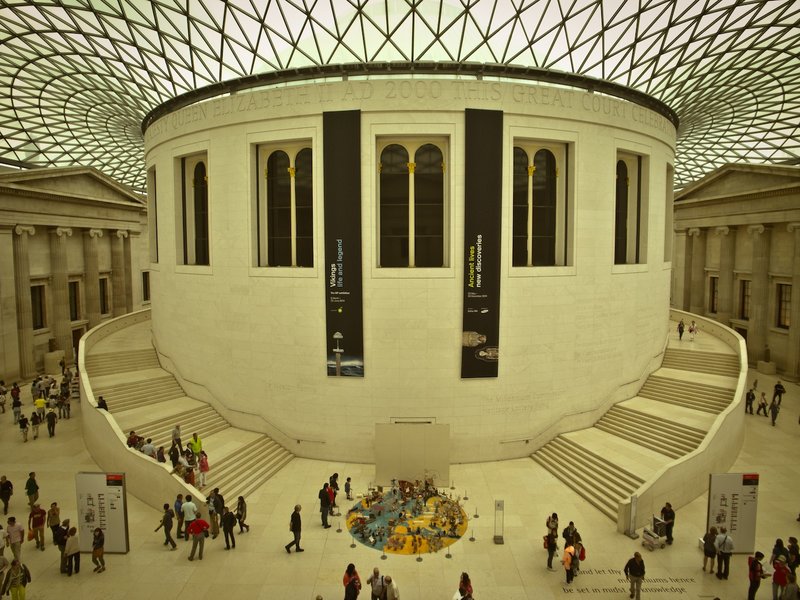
(342, 189)
(483, 163)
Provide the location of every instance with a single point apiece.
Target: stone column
(126, 245)
(793, 354)
(60, 324)
(727, 254)
(91, 275)
(22, 288)
(118, 272)
(759, 294)
(9, 331)
(698, 272)
(682, 268)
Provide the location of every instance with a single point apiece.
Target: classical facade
(492, 255)
(73, 252)
(737, 258)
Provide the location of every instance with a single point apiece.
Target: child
(347, 488)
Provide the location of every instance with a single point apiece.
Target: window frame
(39, 308)
(74, 299)
(745, 299)
(783, 305)
(713, 294)
(186, 221)
(145, 286)
(638, 165)
(561, 153)
(104, 299)
(412, 143)
(292, 148)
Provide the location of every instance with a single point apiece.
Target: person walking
(98, 550)
(668, 516)
(228, 523)
(392, 591)
(16, 580)
(179, 514)
(351, 582)
(377, 583)
(60, 540)
(23, 427)
(762, 404)
(692, 331)
(241, 514)
(52, 418)
(778, 392)
(774, 409)
(780, 576)
(295, 526)
(465, 587)
(15, 535)
(36, 420)
(198, 529)
(6, 491)
(72, 550)
(681, 328)
(324, 505)
(724, 546)
(204, 468)
(634, 572)
(166, 523)
(749, 398)
(36, 521)
(32, 489)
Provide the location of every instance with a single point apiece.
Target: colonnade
(58, 319)
(691, 283)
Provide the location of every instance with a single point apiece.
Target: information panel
(483, 179)
(102, 503)
(733, 504)
(343, 306)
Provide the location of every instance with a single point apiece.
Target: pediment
(74, 182)
(731, 181)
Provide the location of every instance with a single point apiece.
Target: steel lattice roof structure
(77, 77)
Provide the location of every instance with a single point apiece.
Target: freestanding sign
(102, 502)
(343, 306)
(483, 179)
(733, 504)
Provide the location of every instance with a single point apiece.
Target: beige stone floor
(259, 568)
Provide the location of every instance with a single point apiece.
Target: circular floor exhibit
(407, 518)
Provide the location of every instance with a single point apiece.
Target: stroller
(655, 536)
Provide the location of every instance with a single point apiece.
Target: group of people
(46, 396)
(327, 497)
(574, 550)
(382, 587)
(774, 407)
(692, 330)
(190, 524)
(784, 561)
(14, 574)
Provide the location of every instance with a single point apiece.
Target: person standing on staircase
(668, 516)
(195, 445)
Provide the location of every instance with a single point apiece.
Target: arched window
(412, 206)
(621, 215)
(193, 233)
(285, 206)
(540, 219)
(200, 214)
(630, 209)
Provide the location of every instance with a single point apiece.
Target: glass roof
(78, 76)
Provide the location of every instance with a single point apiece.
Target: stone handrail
(682, 480)
(152, 482)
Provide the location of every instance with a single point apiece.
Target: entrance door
(76, 338)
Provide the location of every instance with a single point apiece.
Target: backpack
(582, 555)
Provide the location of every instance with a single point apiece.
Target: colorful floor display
(409, 518)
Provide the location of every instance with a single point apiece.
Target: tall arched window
(621, 215)
(631, 209)
(540, 219)
(285, 206)
(193, 234)
(200, 215)
(412, 207)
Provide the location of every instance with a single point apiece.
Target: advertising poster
(733, 504)
(344, 312)
(102, 503)
(480, 340)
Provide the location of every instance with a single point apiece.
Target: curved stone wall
(572, 337)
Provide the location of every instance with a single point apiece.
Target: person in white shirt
(392, 591)
(189, 510)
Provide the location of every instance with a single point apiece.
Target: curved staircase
(143, 397)
(668, 419)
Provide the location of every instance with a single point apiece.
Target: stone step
(638, 437)
(660, 424)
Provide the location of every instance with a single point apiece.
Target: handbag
(30, 535)
(544, 539)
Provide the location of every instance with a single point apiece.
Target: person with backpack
(378, 585)
(567, 560)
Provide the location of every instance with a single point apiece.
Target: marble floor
(260, 568)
